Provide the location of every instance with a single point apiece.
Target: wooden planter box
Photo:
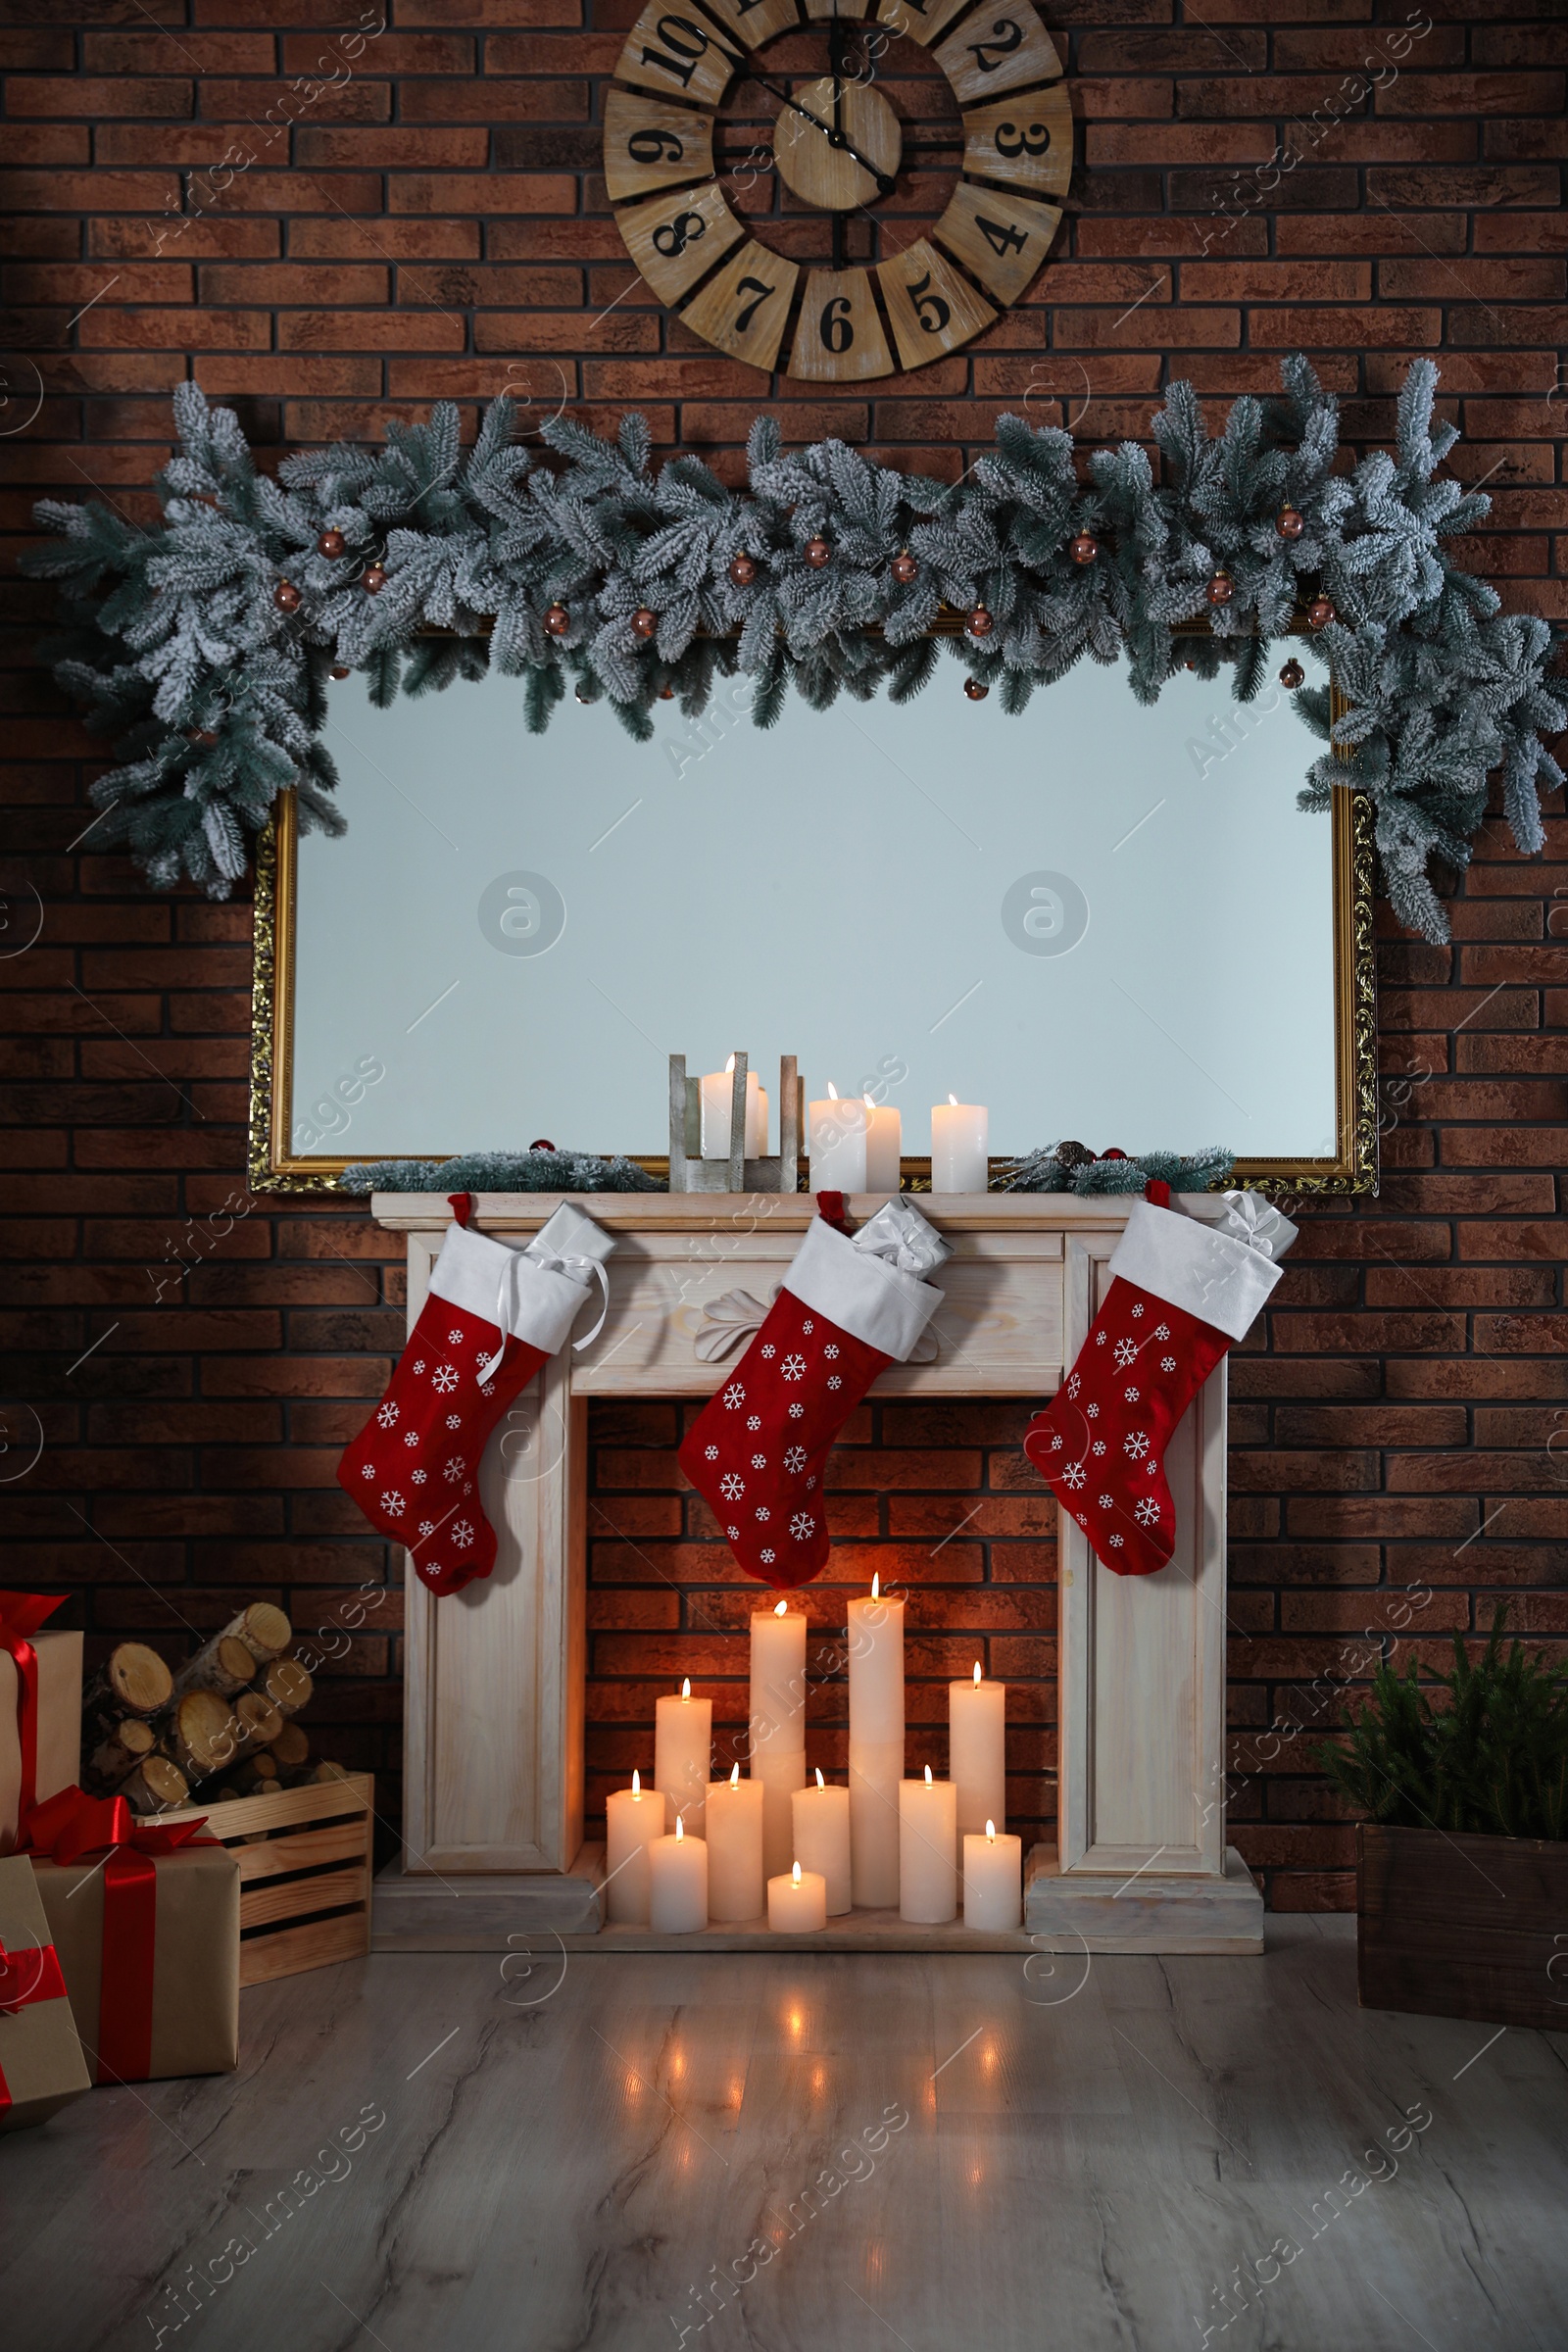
(304, 1873)
(1462, 1927)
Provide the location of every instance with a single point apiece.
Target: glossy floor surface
(832, 2154)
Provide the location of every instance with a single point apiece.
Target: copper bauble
(1292, 676)
(375, 579)
(741, 572)
(1221, 588)
(204, 737)
(979, 623)
(974, 689)
(904, 568)
(817, 553)
(286, 597)
(1320, 611)
(331, 544)
(643, 621)
(1084, 547)
(1289, 523)
(341, 669)
(557, 620)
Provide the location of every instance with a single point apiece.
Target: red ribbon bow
(28, 1976)
(73, 1824)
(22, 1614)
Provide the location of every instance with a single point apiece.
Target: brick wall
(420, 215)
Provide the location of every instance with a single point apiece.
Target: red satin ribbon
(65, 1829)
(28, 1976)
(22, 1614)
(833, 1210)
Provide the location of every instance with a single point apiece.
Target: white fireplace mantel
(495, 1674)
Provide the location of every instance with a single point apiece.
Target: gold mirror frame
(1353, 1168)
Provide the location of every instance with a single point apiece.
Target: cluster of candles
(691, 1850)
(855, 1145)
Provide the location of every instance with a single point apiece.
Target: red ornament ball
(643, 621)
(1084, 547)
(331, 544)
(375, 579)
(1221, 588)
(1292, 676)
(974, 689)
(667, 693)
(904, 568)
(541, 1143)
(1289, 523)
(557, 620)
(286, 597)
(980, 622)
(1320, 611)
(741, 572)
(817, 553)
(341, 669)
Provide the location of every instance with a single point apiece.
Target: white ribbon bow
(903, 1238)
(1253, 1219)
(580, 1270)
(735, 1315)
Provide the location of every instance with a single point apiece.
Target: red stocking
(1183, 1292)
(492, 1317)
(847, 1308)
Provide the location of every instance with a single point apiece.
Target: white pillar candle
(993, 1879)
(678, 1871)
(977, 1750)
(928, 1865)
(876, 1746)
(718, 1095)
(683, 1739)
(778, 1724)
(633, 1818)
(797, 1904)
(960, 1141)
(838, 1132)
(821, 1817)
(734, 1837)
(884, 1149)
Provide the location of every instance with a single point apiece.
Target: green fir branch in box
(1491, 1757)
(203, 649)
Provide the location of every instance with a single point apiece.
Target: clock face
(838, 145)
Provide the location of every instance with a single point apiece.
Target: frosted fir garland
(204, 648)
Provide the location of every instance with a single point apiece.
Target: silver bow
(1251, 1218)
(903, 1238)
(580, 1270)
(735, 1315)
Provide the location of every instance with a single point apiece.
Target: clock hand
(836, 139)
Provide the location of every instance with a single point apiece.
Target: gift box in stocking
(849, 1305)
(41, 2066)
(145, 1920)
(493, 1315)
(40, 1708)
(1183, 1292)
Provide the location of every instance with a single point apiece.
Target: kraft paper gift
(41, 2065)
(146, 1922)
(40, 1709)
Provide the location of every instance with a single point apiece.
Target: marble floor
(546, 2154)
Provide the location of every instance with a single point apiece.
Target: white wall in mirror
(1100, 920)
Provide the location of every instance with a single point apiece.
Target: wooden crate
(304, 1883)
(1462, 1927)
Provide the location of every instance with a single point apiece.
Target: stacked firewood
(221, 1726)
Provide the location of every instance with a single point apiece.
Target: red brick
(98, 97)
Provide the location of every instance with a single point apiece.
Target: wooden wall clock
(838, 145)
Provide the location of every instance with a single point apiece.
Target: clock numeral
(654, 147)
(748, 310)
(1010, 140)
(1005, 37)
(688, 42)
(836, 325)
(930, 308)
(1002, 239)
(673, 237)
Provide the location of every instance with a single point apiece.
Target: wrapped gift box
(41, 1706)
(41, 2065)
(148, 1938)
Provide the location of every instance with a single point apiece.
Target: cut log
(132, 1681)
(256, 1777)
(288, 1685)
(201, 1734)
(155, 1786)
(122, 1751)
(291, 1747)
(225, 1665)
(259, 1721)
(264, 1631)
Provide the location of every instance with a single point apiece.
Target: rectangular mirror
(1100, 920)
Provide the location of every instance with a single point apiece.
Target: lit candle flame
(636, 1784)
(928, 1775)
(869, 1104)
(782, 1609)
(686, 1687)
(991, 1831)
(953, 1100)
(729, 1067)
(832, 1092)
(876, 1586)
(821, 1783)
(977, 1670)
(797, 1874)
(680, 1831)
(735, 1776)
